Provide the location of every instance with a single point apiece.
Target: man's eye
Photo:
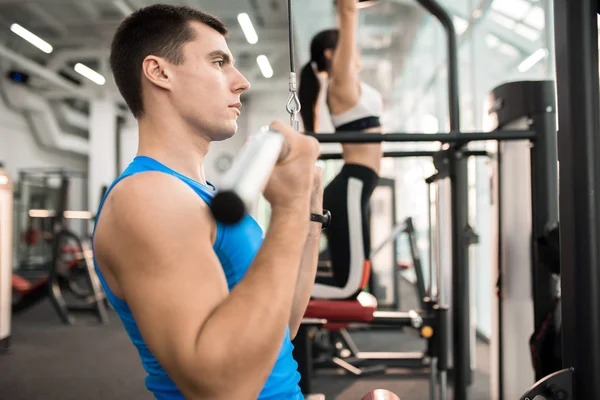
(220, 63)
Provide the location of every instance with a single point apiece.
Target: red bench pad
(340, 311)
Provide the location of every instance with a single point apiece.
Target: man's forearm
(306, 277)
(249, 325)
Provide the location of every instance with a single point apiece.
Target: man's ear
(157, 71)
(328, 53)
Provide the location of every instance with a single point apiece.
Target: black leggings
(348, 235)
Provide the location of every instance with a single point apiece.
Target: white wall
(18, 148)
(102, 161)
(128, 143)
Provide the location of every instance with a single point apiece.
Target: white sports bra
(365, 114)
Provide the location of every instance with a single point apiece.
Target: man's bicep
(171, 305)
(168, 273)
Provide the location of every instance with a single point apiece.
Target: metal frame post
(460, 219)
(578, 148)
(544, 202)
(524, 293)
(461, 292)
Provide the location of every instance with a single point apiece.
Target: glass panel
(536, 18)
(508, 50)
(526, 32)
(502, 20)
(492, 41)
(515, 9)
(460, 25)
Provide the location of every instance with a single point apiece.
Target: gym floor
(51, 361)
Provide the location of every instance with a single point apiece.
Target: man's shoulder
(153, 189)
(151, 209)
(152, 197)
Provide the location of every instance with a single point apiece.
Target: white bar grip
(248, 176)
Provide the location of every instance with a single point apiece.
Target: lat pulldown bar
(405, 154)
(458, 138)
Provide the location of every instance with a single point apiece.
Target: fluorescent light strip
(247, 28)
(78, 215)
(32, 38)
(90, 74)
(41, 213)
(533, 59)
(264, 65)
(70, 214)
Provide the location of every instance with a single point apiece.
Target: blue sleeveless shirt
(236, 246)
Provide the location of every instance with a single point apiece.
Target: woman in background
(332, 75)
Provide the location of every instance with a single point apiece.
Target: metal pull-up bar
(458, 138)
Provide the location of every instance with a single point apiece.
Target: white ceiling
(397, 40)
(81, 30)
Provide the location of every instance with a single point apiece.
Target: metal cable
(293, 104)
(291, 37)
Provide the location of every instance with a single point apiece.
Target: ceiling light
(264, 65)
(32, 38)
(247, 28)
(533, 59)
(90, 74)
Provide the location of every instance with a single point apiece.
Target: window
(460, 25)
(536, 18)
(527, 32)
(515, 9)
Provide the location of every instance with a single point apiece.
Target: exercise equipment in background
(407, 228)
(54, 259)
(577, 81)
(451, 164)
(525, 204)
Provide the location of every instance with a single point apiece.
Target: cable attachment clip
(293, 105)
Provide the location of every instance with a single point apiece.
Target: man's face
(206, 88)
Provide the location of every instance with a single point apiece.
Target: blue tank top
(236, 246)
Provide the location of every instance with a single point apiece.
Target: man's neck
(174, 145)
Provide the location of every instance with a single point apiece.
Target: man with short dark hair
(211, 308)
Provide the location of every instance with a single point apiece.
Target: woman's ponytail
(308, 93)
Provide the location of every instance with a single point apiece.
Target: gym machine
(576, 44)
(6, 219)
(578, 99)
(37, 194)
(60, 267)
(261, 153)
(407, 227)
(451, 168)
(90, 299)
(526, 206)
